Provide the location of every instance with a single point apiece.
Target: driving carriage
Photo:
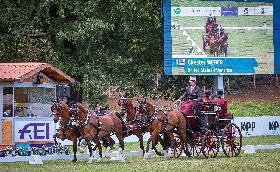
(220, 133)
(215, 38)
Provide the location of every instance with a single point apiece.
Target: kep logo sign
(34, 131)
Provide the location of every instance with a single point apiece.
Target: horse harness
(154, 117)
(129, 126)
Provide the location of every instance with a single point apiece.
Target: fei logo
(34, 130)
(177, 10)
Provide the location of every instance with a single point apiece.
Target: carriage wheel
(194, 150)
(177, 151)
(210, 144)
(203, 43)
(231, 140)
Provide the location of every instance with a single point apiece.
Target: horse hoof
(123, 160)
(147, 156)
(89, 162)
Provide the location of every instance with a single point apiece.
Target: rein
(86, 120)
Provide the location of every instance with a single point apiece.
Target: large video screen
(204, 37)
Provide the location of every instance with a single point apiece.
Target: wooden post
(277, 80)
(228, 85)
(109, 90)
(156, 79)
(255, 82)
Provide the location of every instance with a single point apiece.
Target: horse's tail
(188, 128)
(123, 124)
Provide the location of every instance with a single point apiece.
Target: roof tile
(21, 71)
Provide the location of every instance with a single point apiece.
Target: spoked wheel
(194, 150)
(210, 144)
(178, 148)
(231, 140)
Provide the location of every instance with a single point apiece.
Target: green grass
(251, 108)
(262, 160)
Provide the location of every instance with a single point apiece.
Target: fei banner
(34, 131)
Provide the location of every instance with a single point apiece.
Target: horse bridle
(56, 106)
(143, 106)
(74, 111)
(123, 101)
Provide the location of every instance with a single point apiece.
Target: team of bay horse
(216, 39)
(76, 121)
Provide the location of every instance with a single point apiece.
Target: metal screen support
(218, 84)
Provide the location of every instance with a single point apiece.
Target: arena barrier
(37, 159)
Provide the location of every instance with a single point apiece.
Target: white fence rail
(37, 159)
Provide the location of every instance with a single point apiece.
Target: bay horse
(223, 44)
(95, 127)
(136, 123)
(159, 122)
(214, 47)
(68, 131)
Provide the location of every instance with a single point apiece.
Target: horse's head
(60, 112)
(56, 110)
(142, 108)
(123, 102)
(74, 110)
(147, 108)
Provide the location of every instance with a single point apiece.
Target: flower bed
(44, 150)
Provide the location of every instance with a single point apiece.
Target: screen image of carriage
(223, 29)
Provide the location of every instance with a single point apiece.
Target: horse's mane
(130, 108)
(82, 109)
(64, 107)
(150, 108)
(64, 111)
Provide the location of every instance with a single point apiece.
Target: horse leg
(107, 139)
(183, 134)
(140, 137)
(90, 151)
(121, 145)
(155, 136)
(54, 137)
(170, 135)
(74, 140)
(79, 144)
(98, 145)
(147, 155)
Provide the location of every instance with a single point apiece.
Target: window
(33, 102)
(7, 101)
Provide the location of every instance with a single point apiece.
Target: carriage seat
(208, 108)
